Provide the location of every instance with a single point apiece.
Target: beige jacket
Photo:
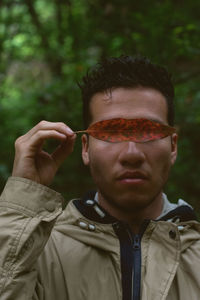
(75, 258)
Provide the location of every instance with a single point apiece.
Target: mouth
(132, 177)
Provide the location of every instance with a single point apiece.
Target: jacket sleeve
(27, 215)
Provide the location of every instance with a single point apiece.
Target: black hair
(126, 71)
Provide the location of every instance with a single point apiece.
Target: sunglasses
(136, 130)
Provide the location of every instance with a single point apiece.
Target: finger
(45, 125)
(63, 150)
(35, 143)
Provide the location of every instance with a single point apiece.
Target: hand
(32, 162)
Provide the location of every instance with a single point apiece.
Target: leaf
(136, 130)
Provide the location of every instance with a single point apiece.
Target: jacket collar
(90, 209)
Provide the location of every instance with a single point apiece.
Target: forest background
(46, 46)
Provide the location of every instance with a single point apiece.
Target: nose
(131, 154)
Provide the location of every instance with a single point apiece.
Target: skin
(130, 199)
(32, 162)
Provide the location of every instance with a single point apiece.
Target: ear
(174, 139)
(85, 149)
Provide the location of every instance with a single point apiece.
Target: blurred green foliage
(47, 45)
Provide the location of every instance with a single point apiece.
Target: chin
(128, 202)
(135, 203)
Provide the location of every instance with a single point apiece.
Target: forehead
(129, 103)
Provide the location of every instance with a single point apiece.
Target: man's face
(129, 175)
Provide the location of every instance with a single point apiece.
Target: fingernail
(69, 131)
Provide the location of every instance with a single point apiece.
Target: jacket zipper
(137, 260)
(130, 248)
(136, 267)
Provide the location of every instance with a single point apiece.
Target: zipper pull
(136, 242)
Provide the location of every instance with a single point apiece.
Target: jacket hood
(176, 212)
(74, 224)
(86, 221)
(179, 212)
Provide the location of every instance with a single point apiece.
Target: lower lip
(132, 181)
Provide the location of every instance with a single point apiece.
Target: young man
(124, 242)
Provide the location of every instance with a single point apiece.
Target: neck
(135, 217)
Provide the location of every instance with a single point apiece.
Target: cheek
(102, 156)
(161, 158)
